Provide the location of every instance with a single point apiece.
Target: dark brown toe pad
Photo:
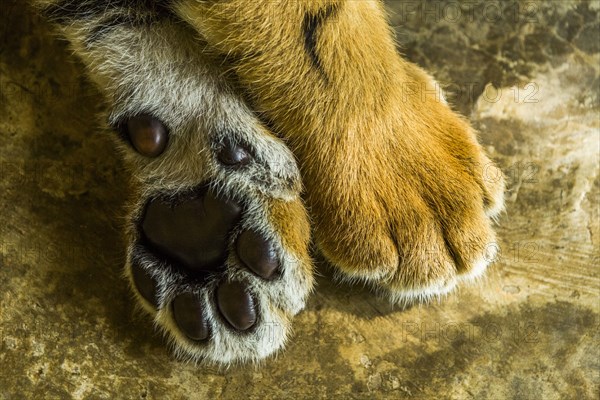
(258, 254)
(236, 305)
(148, 135)
(234, 155)
(189, 316)
(145, 284)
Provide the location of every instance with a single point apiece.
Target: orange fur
(394, 178)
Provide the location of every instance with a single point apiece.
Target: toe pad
(189, 316)
(258, 254)
(148, 135)
(236, 305)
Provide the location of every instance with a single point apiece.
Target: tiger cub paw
(412, 211)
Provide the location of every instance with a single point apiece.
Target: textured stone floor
(525, 73)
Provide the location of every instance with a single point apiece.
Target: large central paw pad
(193, 233)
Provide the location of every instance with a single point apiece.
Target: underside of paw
(222, 268)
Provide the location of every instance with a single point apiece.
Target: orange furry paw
(408, 206)
(399, 191)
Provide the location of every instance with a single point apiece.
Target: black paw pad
(258, 254)
(145, 284)
(189, 317)
(194, 232)
(236, 305)
(148, 135)
(234, 155)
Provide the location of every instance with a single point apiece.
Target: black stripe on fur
(310, 30)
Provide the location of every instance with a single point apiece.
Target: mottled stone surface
(525, 73)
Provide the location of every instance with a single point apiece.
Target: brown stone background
(526, 73)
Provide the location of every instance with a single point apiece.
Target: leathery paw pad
(218, 239)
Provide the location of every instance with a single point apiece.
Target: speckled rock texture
(526, 73)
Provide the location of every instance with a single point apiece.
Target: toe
(257, 253)
(234, 155)
(145, 284)
(189, 316)
(148, 135)
(236, 305)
